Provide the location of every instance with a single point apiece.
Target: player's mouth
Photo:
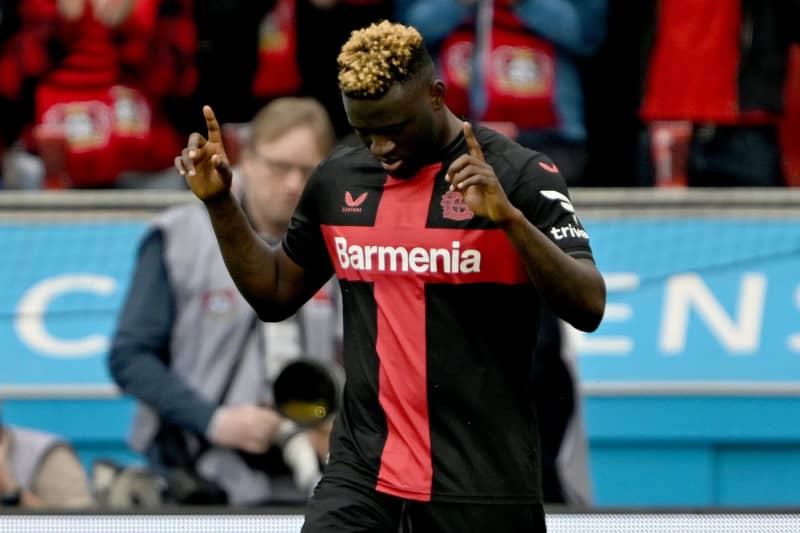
(392, 166)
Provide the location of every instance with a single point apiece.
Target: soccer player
(443, 237)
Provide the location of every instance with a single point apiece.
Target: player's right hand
(249, 428)
(203, 162)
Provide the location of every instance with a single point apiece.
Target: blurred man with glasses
(193, 351)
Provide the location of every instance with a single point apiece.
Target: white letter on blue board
(29, 321)
(687, 291)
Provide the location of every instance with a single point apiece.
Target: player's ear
(438, 93)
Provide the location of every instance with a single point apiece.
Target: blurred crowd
(103, 93)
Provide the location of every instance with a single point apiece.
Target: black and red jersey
(440, 321)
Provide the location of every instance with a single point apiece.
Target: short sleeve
(541, 193)
(304, 242)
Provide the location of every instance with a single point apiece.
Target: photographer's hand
(7, 482)
(10, 486)
(249, 428)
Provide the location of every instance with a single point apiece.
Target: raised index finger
(214, 131)
(472, 142)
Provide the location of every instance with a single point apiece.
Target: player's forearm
(574, 289)
(251, 262)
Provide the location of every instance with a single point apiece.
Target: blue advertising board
(688, 300)
(63, 284)
(706, 302)
(696, 300)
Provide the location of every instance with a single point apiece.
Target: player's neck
(452, 129)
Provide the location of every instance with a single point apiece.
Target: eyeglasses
(281, 167)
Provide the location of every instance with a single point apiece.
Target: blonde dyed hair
(282, 115)
(376, 57)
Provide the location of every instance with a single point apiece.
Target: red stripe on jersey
(406, 464)
(406, 468)
(399, 255)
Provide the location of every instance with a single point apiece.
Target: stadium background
(691, 385)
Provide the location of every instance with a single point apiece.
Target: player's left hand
(475, 179)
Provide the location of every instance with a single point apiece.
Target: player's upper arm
(295, 285)
(541, 193)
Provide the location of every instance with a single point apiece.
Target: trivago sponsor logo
(451, 260)
(568, 232)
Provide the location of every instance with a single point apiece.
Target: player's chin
(407, 168)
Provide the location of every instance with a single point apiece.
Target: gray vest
(215, 329)
(27, 449)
